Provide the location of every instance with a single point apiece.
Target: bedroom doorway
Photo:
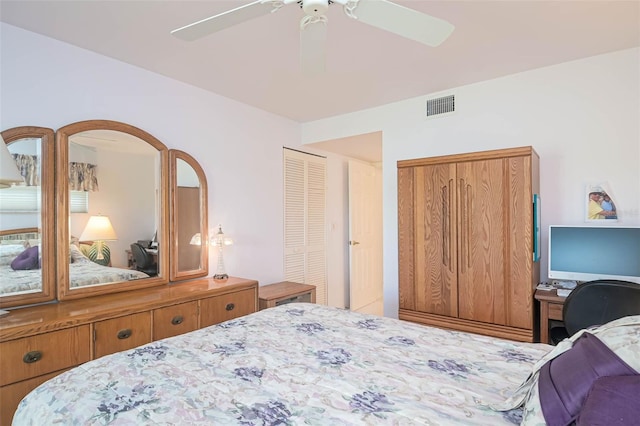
(365, 238)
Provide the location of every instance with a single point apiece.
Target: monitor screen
(587, 253)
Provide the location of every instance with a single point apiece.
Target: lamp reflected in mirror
(99, 230)
(9, 173)
(219, 240)
(196, 240)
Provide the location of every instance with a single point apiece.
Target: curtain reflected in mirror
(189, 257)
(26, 218)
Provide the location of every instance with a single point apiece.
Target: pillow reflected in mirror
(28, 259)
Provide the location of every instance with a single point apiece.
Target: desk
(550, 309)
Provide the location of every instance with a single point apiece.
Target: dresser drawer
(174, 320)
(214, 310)
(34, 356)
(122, 333)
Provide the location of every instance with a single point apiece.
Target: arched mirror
(189, 252)
(27, 227)
(112, 212)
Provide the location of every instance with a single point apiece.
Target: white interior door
(365, 238)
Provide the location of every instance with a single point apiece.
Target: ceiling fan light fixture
(315, 7)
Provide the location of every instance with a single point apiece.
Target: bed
(294, 364)
(82, 271)
(310, 364)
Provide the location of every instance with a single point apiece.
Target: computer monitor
(587, 253)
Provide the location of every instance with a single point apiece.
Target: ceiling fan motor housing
(315, 7)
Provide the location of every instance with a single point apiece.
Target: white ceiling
(257, 62)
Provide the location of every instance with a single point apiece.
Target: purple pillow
(28, 259)
(612, 401)
(565, 381)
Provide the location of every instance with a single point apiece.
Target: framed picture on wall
(600, 205)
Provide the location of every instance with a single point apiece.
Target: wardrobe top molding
(471, 156)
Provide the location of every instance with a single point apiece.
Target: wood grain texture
(435, 264)
(35, 320)
(406, 239)
(59, 350)
(491, 241)
(270, 295)
(174, 320)
(450, 323)
(215, 310)
(483, 254)
(106, 340)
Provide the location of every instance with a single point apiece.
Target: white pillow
(8, 252)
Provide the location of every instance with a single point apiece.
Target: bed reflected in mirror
(115, 197)
(27, 270)
(27, 273)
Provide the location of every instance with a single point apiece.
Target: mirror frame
(47, 214)
(62, 211)
(175, 274)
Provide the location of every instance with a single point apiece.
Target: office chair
(144, 260)
(595, 303)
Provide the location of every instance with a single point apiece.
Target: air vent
(441, 105)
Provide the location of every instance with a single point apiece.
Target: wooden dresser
(40, 342)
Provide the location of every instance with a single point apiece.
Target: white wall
(582, 118)
(44, 82)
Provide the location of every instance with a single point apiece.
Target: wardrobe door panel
(482, 227)
(519, 285)
(406, 240)
(435, 239)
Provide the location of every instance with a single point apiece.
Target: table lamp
(9, 173)
(220, 241)
(99, 230)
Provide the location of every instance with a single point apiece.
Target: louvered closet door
(304, 221)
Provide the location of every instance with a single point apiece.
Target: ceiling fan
(383, 14)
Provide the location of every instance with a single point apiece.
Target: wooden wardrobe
(466, 237)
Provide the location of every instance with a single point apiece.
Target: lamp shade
(9, 173)
(98, 229)
(196, 240)
(219, 239)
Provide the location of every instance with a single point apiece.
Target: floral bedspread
(21, 281)
(90, 273)
(289, 365)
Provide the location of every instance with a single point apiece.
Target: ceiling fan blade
(223, 20)
(405, 22)
(313, 46)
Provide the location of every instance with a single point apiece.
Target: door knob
(354, 243)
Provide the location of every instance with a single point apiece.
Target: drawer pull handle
(124, 334)
(230, 306)
(177, 320)
(31, 357)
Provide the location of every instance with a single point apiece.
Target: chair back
(143, 259)
(598, 302)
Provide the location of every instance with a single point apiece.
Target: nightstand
(285, 292)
